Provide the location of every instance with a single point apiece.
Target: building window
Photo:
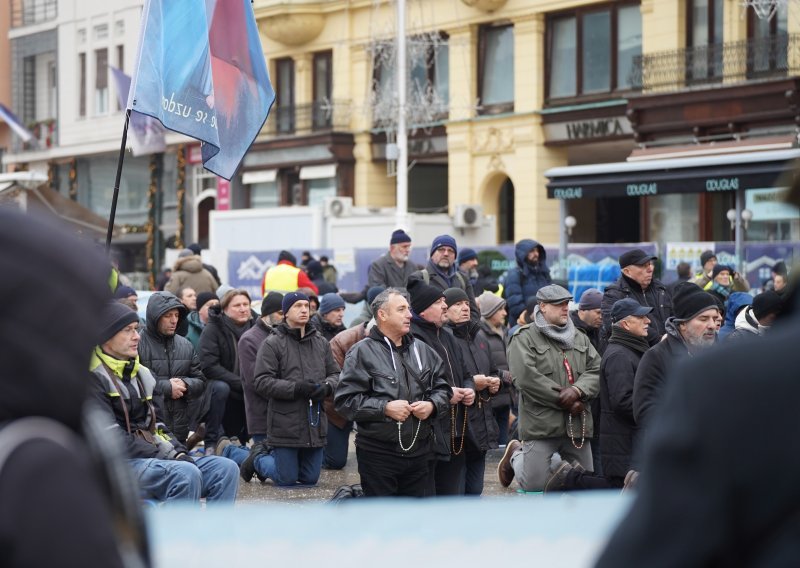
(120, 66)
(264, 194)
(81, 84)
(284, 95)
(29, 88)
(592, 51)
(101, 81)
(704, 37)
(428, 85)
(769, 43)
(52, 90)
(496, 73)
(323, 91)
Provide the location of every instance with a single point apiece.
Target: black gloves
(323, 390)
(184, 457)
(305, 389)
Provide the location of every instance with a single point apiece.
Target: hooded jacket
(377, 372)
(736, 301)
(747, 326)
(285, 360)
(172, 357)
(189, 272)
(525, 280)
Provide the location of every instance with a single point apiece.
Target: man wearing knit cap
(123, 390)
(690, 330)
(285, 276)
(329, 316)
(255, 406)
(429, 315)
(493, 324)
(555, 369)
(708, 260)
(394, 387)
(637, 282)
(468, 264)
(392, 269)
(294, 372)
(442, 273)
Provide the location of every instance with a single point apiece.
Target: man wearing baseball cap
(637, 283)
(442, 272)
(555, 370)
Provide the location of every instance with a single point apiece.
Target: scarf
(625, 338)
(237, 330)
(718, 288)
(124, 369)
(563, 336)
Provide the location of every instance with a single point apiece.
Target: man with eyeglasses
(555, 370)
(637, 283)
(123, 389)
(442, 273)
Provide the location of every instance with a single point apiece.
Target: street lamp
(740, 223)
(569, 224)
(747, 216)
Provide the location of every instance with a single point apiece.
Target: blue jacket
(736, 301)
(524, 281)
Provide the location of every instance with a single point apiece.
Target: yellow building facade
(526, 92)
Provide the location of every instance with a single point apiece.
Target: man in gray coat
(393, 268)
(556, 371)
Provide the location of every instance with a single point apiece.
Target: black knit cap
(690, 300)
(721, 268)
(706, 256)
(271, 304)
(204, 297)
(423, 296)
(766, 303)
(286, 255)
(454, 296)
(113, 319)
(399, 236)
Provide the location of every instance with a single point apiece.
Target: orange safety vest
(280, 278)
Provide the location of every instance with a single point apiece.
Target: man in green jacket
(556, 371)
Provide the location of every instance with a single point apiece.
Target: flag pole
(117, 180)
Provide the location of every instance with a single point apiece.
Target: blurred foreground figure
(718, 486)
(62, 503)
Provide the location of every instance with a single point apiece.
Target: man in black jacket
(174, 364)
(637, 282)
(393, 387)
(123, 389)
(295, 371)
(429, 314)
(329, 316)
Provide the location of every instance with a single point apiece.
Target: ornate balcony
(308, 118)
(729, 63)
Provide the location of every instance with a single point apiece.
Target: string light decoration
(765, 9)
(151, 221)
(181, 193)
(73, 179)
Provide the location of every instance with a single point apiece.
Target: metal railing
(321, 116)
(29, 12)
(733, 62)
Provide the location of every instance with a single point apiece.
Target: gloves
(184, 457)
(323, 390)
(305, 389)
(567, 397)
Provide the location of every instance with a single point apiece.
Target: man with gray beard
(691, 329)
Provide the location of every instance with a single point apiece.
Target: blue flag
(201, 72)
(148, 134)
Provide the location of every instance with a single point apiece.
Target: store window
(101, 81)
(673, 217)
(496, 72)
(593, 50)
(264, 194)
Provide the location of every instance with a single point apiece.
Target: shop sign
(587, 130)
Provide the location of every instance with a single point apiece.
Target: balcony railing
(29, 12)
(308, 118)
(734, 62)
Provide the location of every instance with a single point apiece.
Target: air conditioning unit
(468, 216)
(338, 206)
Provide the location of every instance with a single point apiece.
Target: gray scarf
(562, 335)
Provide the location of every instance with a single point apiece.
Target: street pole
(562, 242)
(402, 136)
(738, 232)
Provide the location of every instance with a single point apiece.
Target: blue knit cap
(329, 302)
(290, 298)
(444, 241)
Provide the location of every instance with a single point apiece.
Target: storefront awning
(318, 172)
(749, 170)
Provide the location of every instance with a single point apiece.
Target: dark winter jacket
(650, 380)
(457, 375)
(736, 301)
(453, 279)
(255, 405)
(384, 272)
(656, 296)
(285, 360)
(482, 430)
(218, 350)
(709, 485)
(325, 329)
(525, 280)
(618, 430)
(170, 357)
(594, 338)
(340, 345)
(377, 372)
(498, 342)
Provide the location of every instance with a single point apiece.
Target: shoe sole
(510, 449)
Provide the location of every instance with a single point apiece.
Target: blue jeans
(284, 466)
(335, 456)
(215, 478)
